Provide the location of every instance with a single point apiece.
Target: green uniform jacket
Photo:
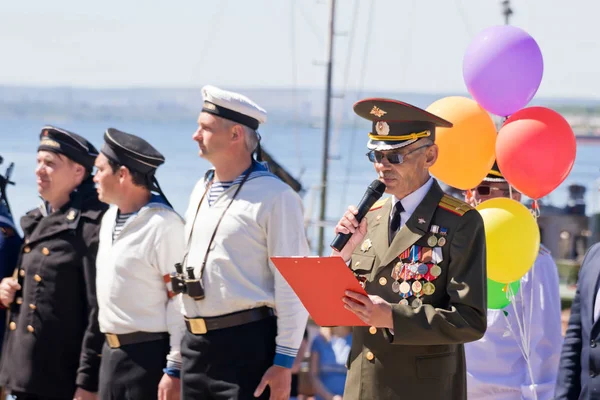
(424, 357)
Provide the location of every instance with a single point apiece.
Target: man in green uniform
(420, 255)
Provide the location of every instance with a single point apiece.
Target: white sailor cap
(233, 106)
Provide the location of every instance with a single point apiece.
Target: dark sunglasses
(484, 190)
(393, 158)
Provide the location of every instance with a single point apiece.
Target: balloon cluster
(534, 148)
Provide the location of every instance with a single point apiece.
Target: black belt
(116, 341)
(199, 326)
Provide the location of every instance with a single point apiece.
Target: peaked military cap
(494, 175)
(131, 151)
(233, 106)
(69, 144)
(397, 124)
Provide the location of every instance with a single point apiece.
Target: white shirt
(264, 220)
(130, 280)
(496, 368)
(411, 202)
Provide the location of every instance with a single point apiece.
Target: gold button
(30, 328)
(382, 281)
(32, 306)
(19, 300)
(12, 326)
(26, 249)
(37, 278)
(45, 251)
(372, 330)
(370, 356)
(22, 272)
(27, 241)
(356, 264)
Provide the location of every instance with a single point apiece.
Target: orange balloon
(467, 150)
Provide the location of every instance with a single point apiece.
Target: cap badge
(421, 220)
(382, 128)
(209, 106)
(49, 143)
(378, 112)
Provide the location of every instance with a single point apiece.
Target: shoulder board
(454, 205)
(378, 204)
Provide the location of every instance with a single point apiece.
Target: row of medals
(402, 273)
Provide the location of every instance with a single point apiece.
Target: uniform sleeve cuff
(283, 360)
(285, 356)
(173, 372)
(86, 383)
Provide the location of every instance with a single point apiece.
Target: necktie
(395, 222)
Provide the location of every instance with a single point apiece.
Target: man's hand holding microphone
(350, 233)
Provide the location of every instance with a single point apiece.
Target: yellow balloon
(512, 239)
(468, 149)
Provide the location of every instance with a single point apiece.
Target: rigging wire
(349, 53)
(209, 38)
(407, 43)
(363, 73)
(464, 18)
(312, 27)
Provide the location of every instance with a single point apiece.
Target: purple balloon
(503, 68)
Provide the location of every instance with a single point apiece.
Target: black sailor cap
(69, 144)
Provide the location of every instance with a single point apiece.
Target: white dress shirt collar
(412, 201)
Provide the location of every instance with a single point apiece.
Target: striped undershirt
(119, 223)
(216, 189)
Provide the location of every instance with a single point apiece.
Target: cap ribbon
(416, 135)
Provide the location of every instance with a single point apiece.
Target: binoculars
(189, 285)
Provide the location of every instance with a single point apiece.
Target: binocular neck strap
(212, 238)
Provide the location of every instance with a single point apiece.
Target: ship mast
(325, 157)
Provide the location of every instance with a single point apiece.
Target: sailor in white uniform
(244, 332)
(141, 239)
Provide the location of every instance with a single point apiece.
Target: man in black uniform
(52, 345)
(10, 241)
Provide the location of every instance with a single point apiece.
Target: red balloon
(535, 150)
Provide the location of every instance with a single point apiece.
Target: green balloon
(496, 294)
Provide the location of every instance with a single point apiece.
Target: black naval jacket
(53, 342)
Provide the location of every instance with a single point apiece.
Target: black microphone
(373, 193)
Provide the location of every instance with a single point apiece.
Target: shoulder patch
(378, 204)
(454, 205)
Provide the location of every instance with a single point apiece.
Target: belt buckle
(113, 341)
(197, 326)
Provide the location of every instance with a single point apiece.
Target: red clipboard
(320, 283)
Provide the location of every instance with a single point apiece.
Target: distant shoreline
(284, 105)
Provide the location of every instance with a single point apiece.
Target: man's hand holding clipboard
(372, 310)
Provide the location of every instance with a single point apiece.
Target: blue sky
(413, 46)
